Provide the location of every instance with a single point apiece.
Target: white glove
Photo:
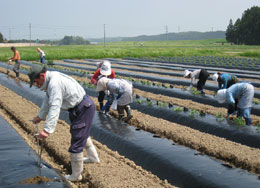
(107, 92)
(9, 60)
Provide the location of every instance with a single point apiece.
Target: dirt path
(233, 153)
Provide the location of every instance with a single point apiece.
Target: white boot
(76, 166)
(92, 153)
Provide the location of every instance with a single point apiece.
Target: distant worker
(224, 80)
(104, 71)
(63, 92)
(123, 91)
(42, 55)
(17, 59)
(200, 74)
(242, 92)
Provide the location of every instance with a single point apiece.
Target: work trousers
(202, 79)
(81, 117)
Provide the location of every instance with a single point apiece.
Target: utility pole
(104, 35)
(30, 29)
(166, 32)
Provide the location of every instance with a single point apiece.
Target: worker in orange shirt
(15, 58)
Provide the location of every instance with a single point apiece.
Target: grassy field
(212, 47)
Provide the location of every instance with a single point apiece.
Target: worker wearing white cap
(224, 80)
(244, 94)
(104, 71)
(200, 74)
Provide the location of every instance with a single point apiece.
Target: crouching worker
(224, 80)
(64, 92)
(123, 91)
(200, 74)
(244, 94)
(104, 70)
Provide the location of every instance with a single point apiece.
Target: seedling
(193, 113)
(220, 116)
(239, 121)
(256, 101)
(139, 101)
(150, 103)
(258, 124)
(178, 109)
(159, 84)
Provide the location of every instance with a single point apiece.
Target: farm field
(187, 136)
(149, 49)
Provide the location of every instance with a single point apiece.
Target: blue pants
(245, 113)
(81, 117)
(43, 60)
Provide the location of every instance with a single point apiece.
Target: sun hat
(102, 84)
(221, 95)
(215, 77)
(186, 73)
(106, 68)
(34, 72)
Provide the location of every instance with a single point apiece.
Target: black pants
(101, 96)
(202, 79)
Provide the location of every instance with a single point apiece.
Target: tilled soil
(233, 153)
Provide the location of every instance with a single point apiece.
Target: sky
(54, 19)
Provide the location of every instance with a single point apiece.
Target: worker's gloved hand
(231, 108)
(9, 60)
(36, 120)
(43, 134)
(107, 92)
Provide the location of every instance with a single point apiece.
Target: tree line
(67, 40)
(245, 30)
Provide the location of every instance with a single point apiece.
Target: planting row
(226, 62)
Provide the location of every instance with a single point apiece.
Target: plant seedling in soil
(150, 103)
(178, 109)
(239, 121)
(193, 113)
(256, 101)
(159, 84)
(139, 101)
(220, 116)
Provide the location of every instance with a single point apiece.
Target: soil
(35, 180)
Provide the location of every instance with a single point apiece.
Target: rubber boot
(128, 112)
(120, 116)
(92, 153)
(76, 166)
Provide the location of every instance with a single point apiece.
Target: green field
(212, 47)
